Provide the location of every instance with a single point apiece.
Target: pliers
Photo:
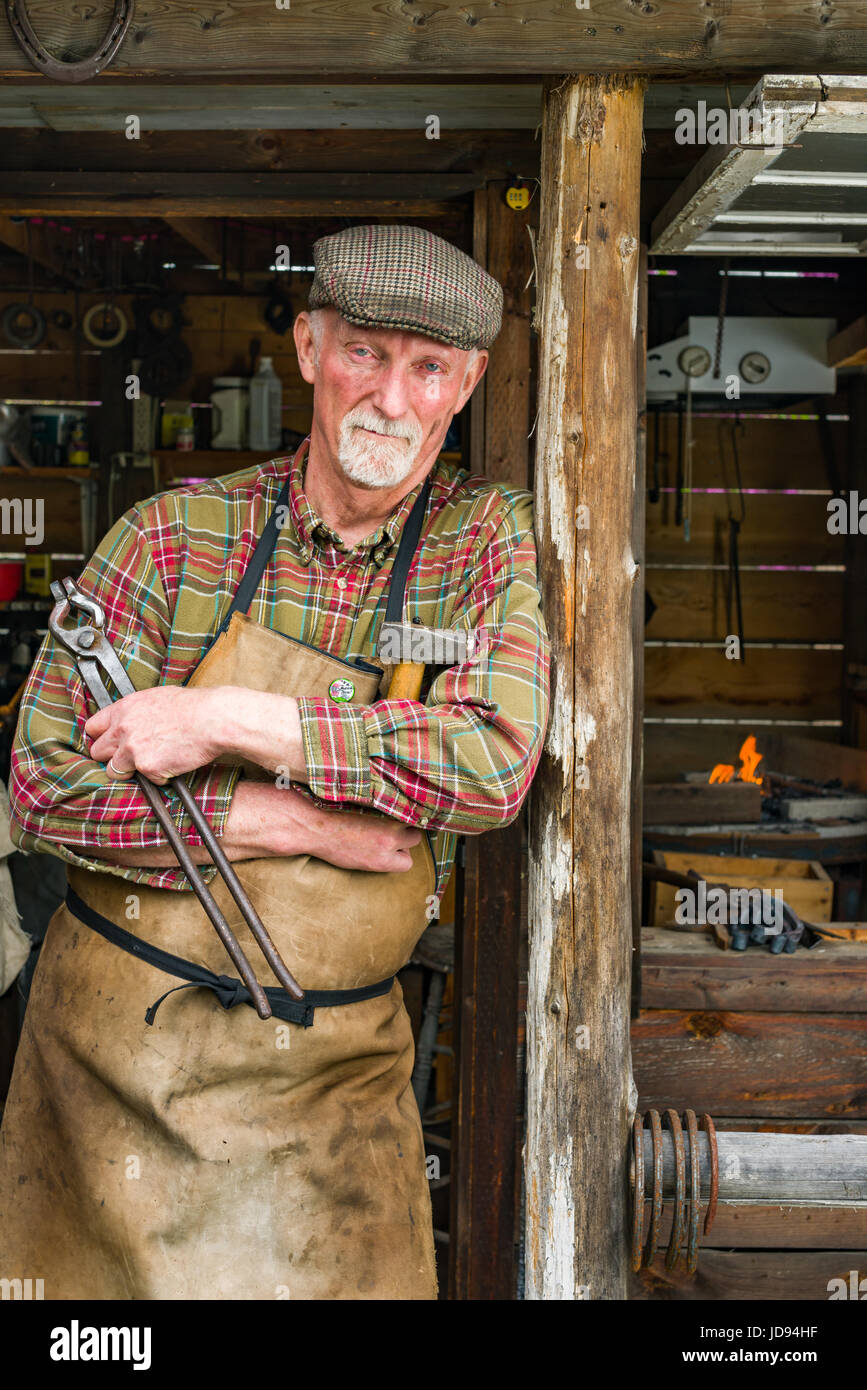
(97, 660)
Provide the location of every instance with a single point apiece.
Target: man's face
(383, 399)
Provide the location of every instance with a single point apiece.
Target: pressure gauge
(694, 361)
(755, 367)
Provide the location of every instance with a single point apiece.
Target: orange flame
(750, 758)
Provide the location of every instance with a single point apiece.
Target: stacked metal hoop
(687, 1206)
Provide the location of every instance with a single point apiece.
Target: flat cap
(404, 277)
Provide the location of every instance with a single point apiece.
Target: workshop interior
(155, 248)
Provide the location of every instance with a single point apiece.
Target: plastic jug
(266, 405)
(230, 401)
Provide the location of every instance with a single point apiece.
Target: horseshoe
(30, 44)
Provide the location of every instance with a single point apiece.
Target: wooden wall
(758, 1041)
(791, 584)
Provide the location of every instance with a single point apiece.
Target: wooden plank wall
(758, 1041)
(791, 584)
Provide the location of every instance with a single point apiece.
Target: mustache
(393, 429)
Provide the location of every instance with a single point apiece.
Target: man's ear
(474, 376)
(303, 336)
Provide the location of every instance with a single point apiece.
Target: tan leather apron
(211, 1155)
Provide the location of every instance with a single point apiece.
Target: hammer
(409, 647)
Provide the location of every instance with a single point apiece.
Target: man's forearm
(263, 821)
(264, 729)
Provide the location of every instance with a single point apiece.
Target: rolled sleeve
(463, 760)
(63, 802)
(335, 744)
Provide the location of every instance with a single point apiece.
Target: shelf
(197, 458)
(83, 470)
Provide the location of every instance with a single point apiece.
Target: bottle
(79, 451)
(266, 406)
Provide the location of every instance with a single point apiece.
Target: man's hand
(366, 840)
(162, 733)
(171, 729)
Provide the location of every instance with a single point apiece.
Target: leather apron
(209, 1154)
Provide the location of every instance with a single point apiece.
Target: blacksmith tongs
(96, 659)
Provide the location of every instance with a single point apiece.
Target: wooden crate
(807, 888)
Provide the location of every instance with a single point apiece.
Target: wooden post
(484, 1172)
(639, 526)
(580, 1092)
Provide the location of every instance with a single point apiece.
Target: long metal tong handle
(92, 650)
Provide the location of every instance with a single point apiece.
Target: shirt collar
(313, 533)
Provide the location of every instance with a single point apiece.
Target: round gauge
(755, 367)
(694, 361)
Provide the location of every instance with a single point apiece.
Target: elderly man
(201, 1152)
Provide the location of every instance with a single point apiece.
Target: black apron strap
(229, 991)
(409, 538)
(252, 577)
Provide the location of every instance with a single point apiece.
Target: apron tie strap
(229, 991)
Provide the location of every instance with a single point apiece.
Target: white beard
(376, 461)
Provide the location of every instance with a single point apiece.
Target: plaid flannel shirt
(459, 763)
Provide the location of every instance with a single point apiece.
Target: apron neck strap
(252, 576)
(409, 538)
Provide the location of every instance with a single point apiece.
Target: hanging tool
(678, 483)
(653, 490)
(735, 523)
(96, 659)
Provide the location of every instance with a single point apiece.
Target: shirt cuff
(213, 788)
(334, 739)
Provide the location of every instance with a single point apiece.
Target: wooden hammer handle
(406, 681)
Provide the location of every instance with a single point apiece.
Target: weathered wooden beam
(747, 1276)
(773, 1167)
(683, 970)
(726, 171)
(484, 1172)
(580, 1094)
(775, 1225)
(237, 193)
(638, 623)
(750, 1062)
(506, 382)
(491, 153)
(177, 39)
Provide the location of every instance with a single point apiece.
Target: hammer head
(401, 643)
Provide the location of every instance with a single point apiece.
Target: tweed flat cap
(404, 277)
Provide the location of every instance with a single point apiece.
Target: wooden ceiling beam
(490, 154)
(234, 194)
(180, 39)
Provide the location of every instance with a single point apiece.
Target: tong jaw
(88, 643)
(70, 596)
